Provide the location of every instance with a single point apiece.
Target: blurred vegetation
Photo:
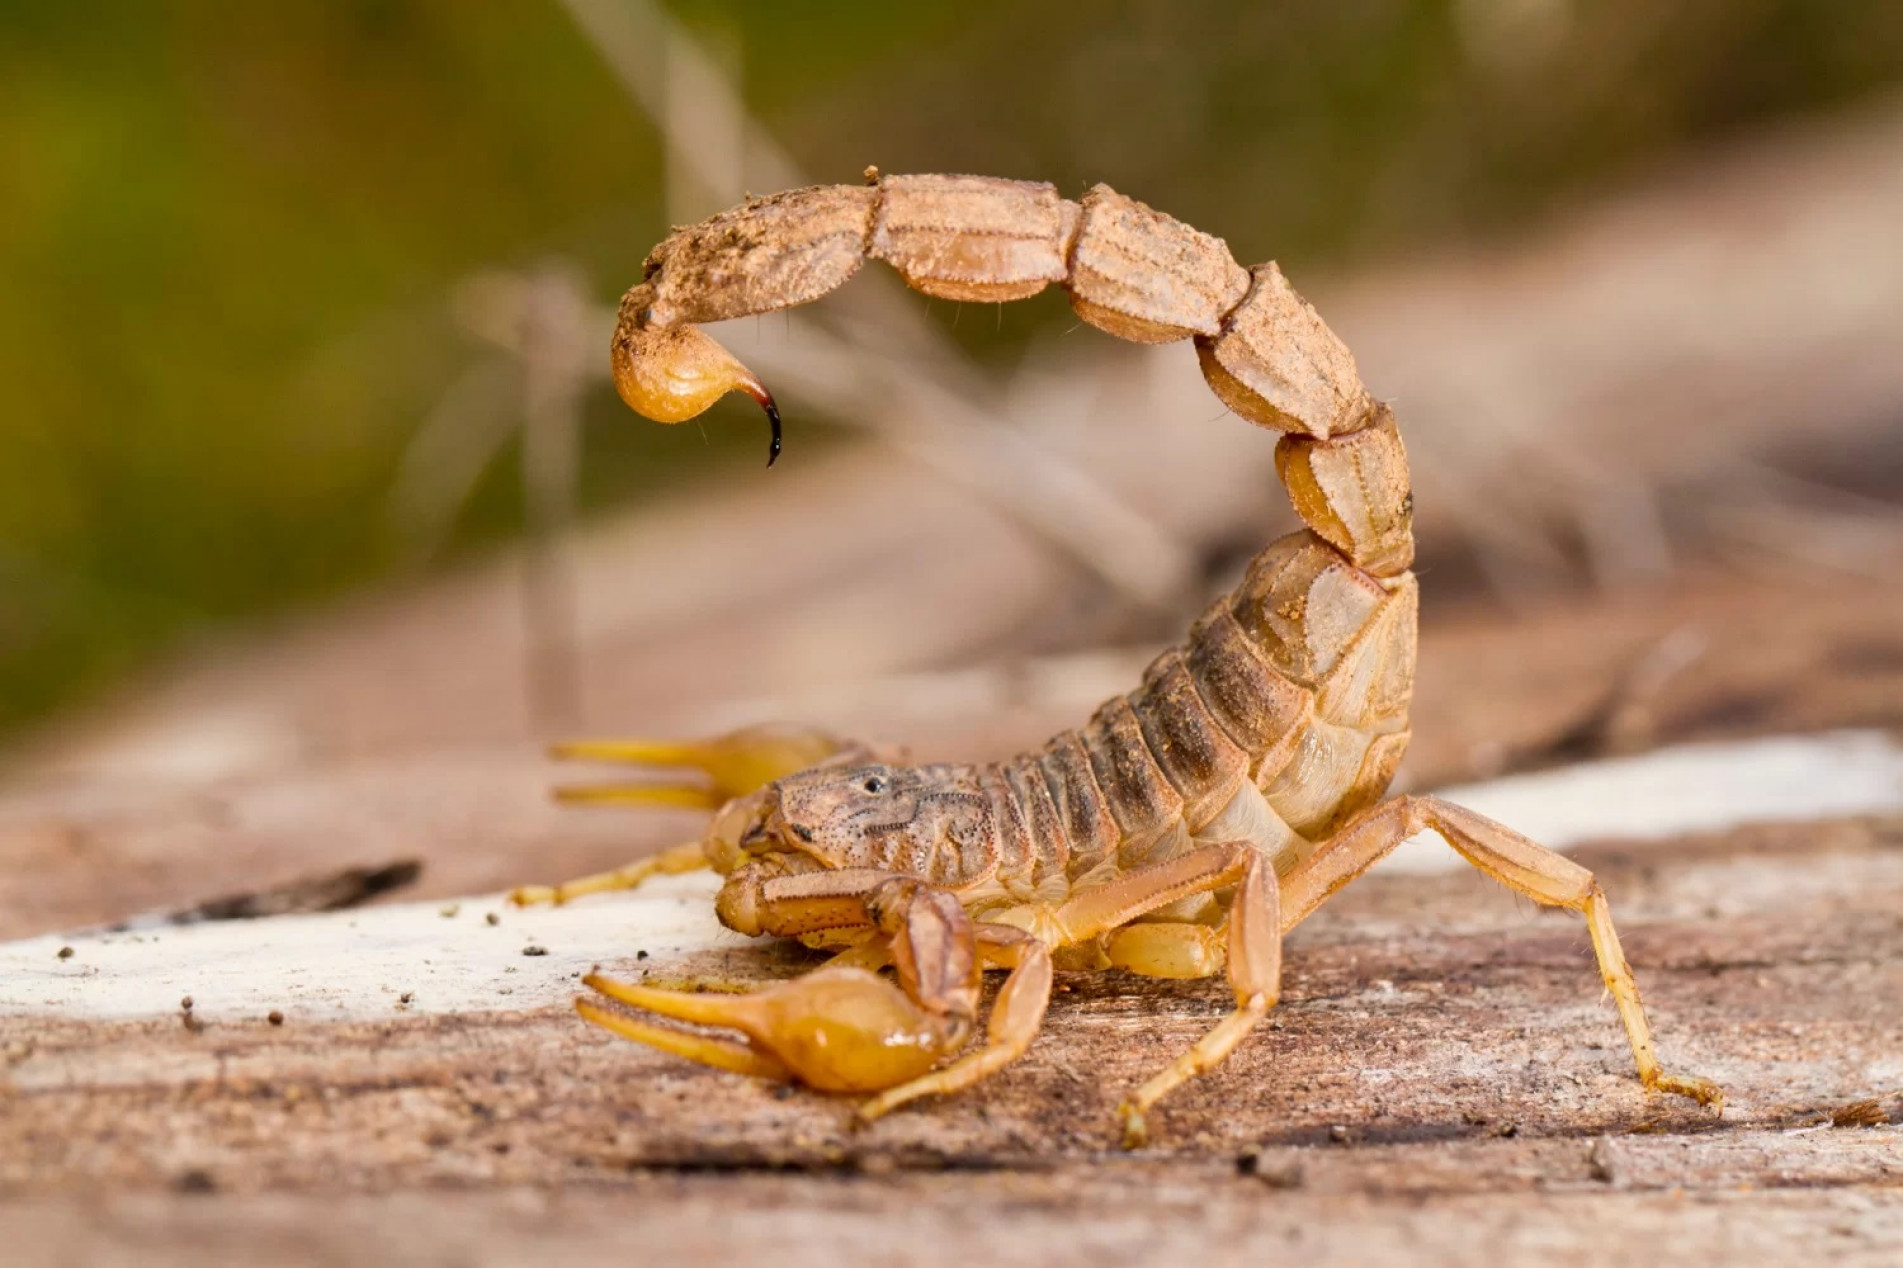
(231, 230)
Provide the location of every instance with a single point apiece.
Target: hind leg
(1254, 948)
(1516, 862)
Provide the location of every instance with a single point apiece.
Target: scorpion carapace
(1182, 831)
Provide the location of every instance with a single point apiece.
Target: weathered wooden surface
(1443, 1078)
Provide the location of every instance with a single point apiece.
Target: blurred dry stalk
(889, 371)
(545, 327)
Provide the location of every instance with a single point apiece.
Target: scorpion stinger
(672, 374)
(773, 418)
(1190, 823)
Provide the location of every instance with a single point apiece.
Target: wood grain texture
(1442, 1075)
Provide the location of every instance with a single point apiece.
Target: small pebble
(493, 918)
(65, 953)
(534, 950)
(197, 1180)
(640, 955)
(275, 1017)
(406, 997)
(1277, 1173)
(1602, 1162)
(186, 1003)
(449, 912)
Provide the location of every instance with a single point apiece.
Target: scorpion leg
(1519, 864)
(1254, 949)
(669, 862)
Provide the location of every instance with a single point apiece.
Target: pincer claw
(837, 1029)
(726, 766)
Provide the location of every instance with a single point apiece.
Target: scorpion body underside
(1189, 824)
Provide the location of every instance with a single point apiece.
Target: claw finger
(681, 796)
(734, 764)
(722, 1054)
(631, 752)
(737, 1012)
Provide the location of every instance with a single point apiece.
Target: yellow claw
(837, 1029)
(667, 796)
(735, 764)
(722, 1054)
(1136, 1128)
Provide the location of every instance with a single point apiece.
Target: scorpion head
(931, 822)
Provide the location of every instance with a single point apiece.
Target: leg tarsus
(1205, 1055)
(1255, 971)
(1617, 973)
(670, 862)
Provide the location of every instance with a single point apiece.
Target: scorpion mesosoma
(1190, 824)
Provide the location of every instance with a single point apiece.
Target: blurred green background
(230, 233)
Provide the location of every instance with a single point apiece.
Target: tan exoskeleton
(1190, 824)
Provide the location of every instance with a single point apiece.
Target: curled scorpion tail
(1129, 270)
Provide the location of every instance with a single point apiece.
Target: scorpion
(1190, 824)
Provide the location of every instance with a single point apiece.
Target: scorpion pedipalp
(723, 774)
(729, 766)
(839, 1029)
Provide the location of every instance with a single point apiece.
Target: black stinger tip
(773, 416)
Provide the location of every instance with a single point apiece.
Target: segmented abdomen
(1312, 712)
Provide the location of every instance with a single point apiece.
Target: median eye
(875, 784)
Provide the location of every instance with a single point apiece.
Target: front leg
(1016, 1017)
